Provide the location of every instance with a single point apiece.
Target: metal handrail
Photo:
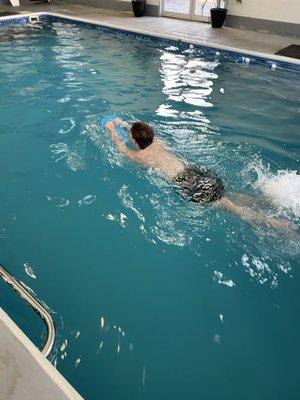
(44, 314)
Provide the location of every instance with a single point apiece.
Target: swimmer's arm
(120, 145)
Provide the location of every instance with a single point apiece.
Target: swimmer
(199, 185)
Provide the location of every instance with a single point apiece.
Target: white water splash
(87, 200)
(260, 270)
(77, 361)
(61, 151)
(281, 188)
(110, 217)
(64, 345)
(127, 201)
(219, 277)
(69, 124)
(123, 219)
(102, 322)
(59, 201)
(29, 270)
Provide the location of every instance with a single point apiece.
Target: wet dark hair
(142, 133)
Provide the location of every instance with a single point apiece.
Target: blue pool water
(152, 297)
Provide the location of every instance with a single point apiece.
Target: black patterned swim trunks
(199, 185)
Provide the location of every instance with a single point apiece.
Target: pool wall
(152, 9)
(239, 55)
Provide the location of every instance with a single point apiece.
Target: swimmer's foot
(286, 228)
(278, 223)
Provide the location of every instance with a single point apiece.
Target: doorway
(188, 9)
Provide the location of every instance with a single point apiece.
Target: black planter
(218, 16)
(139, 8)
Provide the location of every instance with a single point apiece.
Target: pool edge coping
(40, 360)
(237, 50)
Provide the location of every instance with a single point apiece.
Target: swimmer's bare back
(158, 157)
(155, 156)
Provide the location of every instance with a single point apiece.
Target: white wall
(274, 10)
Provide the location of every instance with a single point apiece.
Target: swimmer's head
(142, 134)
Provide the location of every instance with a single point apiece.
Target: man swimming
(199, 185)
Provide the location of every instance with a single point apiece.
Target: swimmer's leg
(249, 214)
(256, 203)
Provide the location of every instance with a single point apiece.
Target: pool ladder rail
(44, 314)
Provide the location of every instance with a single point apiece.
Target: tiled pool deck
(195, 32)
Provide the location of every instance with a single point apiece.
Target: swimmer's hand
(110, 125)
(123, 124)
(134, 155)
(117, 122)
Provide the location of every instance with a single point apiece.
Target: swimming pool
(153, 297)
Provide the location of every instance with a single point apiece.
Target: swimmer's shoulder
(159, 144)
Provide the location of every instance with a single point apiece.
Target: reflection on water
(187, 80)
